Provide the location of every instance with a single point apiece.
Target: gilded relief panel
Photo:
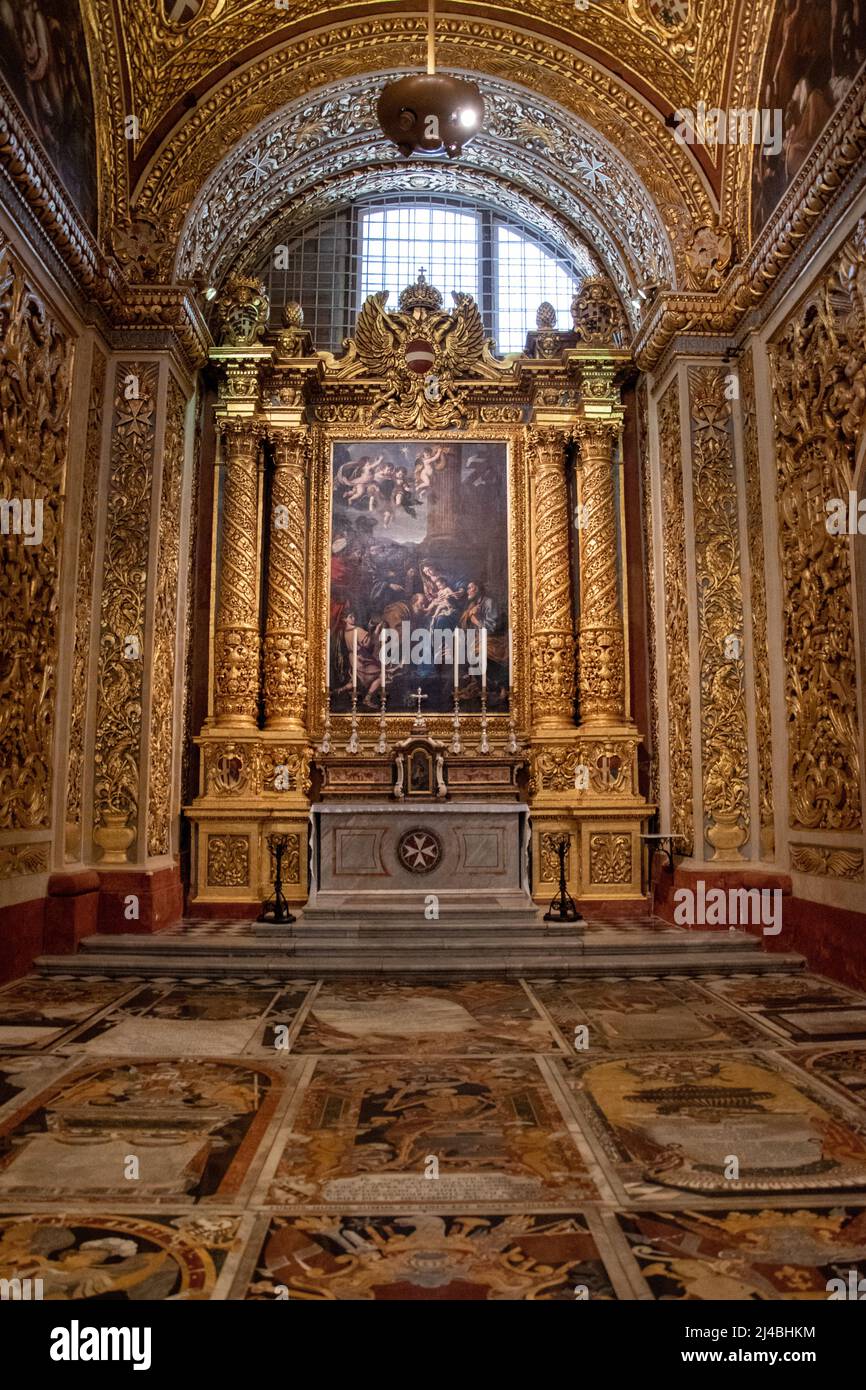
(36, 356)
(165, 628)
(757, 561)
(676, 620)
(649, 570)
(124, 586)
(724, 747)
(818, 365)
(84, 593)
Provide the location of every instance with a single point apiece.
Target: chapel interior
(433, 583)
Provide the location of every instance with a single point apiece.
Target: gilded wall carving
(36, 357)
(228, 861)
(724, 746)
(818, 367)
(165, 628)
(124, 588)
(650, 572)
(17, 860)
(826, 861)
(84, 588)
(757, 561)
(676, 621)
(549, 844)
(291, 868)
(609, 858)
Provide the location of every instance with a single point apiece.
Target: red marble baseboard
(832, 939)
(71, 911)
(22, 927)
(159, 893)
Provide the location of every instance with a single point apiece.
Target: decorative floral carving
(553, 659)
(827, 861)
(23, 859)
(124, 588)
(818, 366)
(165, 628)
(676, 621)
(84, 588)
(285, 645)
(757, 566)
(550, 842)
(708, 257)
(609, 858)
(724, 746)
(35, 368)
(228, 861)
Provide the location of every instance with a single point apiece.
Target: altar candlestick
(328, 660)
(456, 650)
(510, 656)
(382, 654)
(354, 658)
(484, 658)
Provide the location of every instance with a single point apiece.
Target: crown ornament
(421, 295)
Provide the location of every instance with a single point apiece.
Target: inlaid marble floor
(654, 1138)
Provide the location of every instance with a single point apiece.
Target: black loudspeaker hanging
(563, 908)
(276, 909)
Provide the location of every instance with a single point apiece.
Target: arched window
(333, 264)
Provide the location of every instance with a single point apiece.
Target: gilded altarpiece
(298, 425)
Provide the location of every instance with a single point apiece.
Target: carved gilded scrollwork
(237, 630)
(602, 661)
(827, 861)
(724, 746)
(228, 861)
(84, 600)
(609, 858)
(553, 659)
(35, 369)
(757, 564)
(676, 621)
(291, 857)
(549, 844)
(165, 628)
(124, 586)
(285, 644)
(23, 859)
(819, 367)
(552, 769)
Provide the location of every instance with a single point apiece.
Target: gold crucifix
(419, 696)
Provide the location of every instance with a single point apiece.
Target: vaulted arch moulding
(550, 109)
(553, 174)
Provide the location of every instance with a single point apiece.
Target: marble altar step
(312, 952)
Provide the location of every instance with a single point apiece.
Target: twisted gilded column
(285, 642)
(552, 629)
(601, 646)
(236, 644)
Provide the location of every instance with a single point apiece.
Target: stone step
(214, 963)
(295, 941)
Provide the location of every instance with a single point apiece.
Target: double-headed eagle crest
(419, 352)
